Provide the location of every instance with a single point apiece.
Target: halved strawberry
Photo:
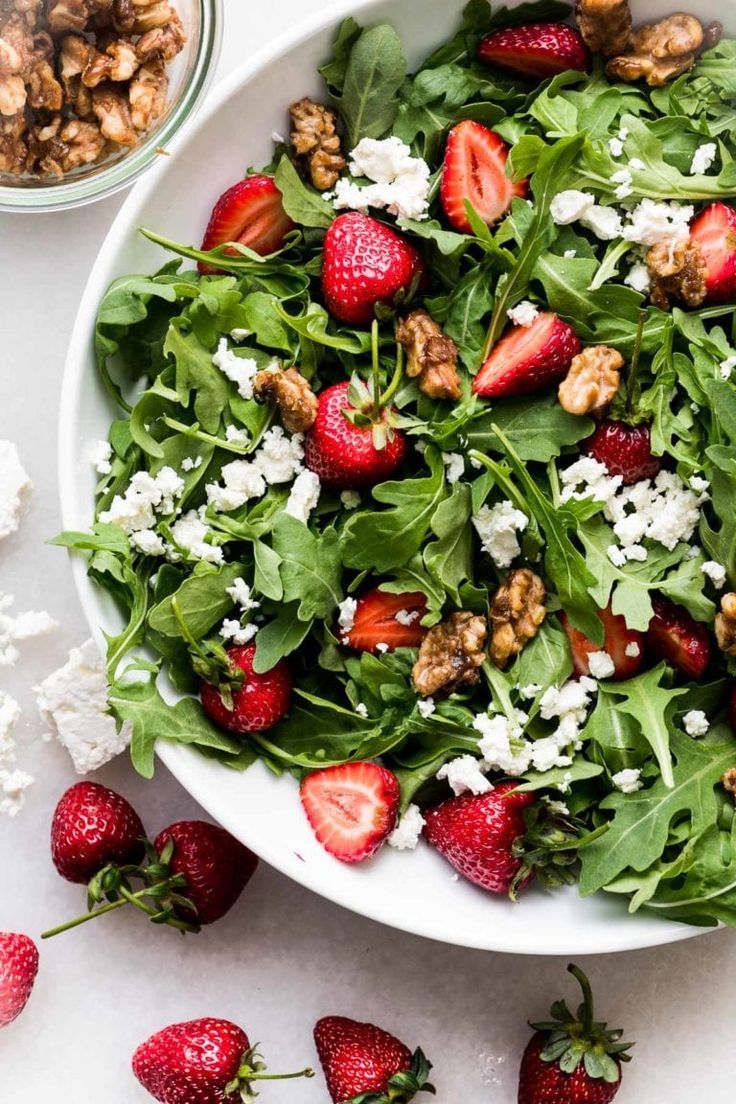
(252, 213)
(535, 49)
(474, 168)
(625, 450)
(714, 230)
(352, 808)
(375, 621)
(625, 646)
(675, 636)
(528, 358)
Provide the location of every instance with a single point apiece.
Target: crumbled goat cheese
(502, 744)
(530, 691)
(406, 617)
(546, 754)
(279, 457)
(569, 705)
(601, 665)
(233, 631)
(13, 786)
(695, 722)
(716, 573)
(239, 370)
(9, 717)
(454, 466)
(426, 707)
(361, 709)
(497, 527)
(663, 509)
(605, 222)
(638, 277)
(464, 775)
(624, 179)
(148, 542)
(350, 499)
(616, 555)
(588, 478)
(236, 436)
(632, 650)
(14, 630)
(304, 496)
(703, 158)
(15, 489)
(628, 781)
(100, 455)
(400, 182)
(190, 532)
(565, 784)
(699, 484)
(693, 552)
(240, 333)
(346, 614)
(523, 314)
(636, 163)
(570, 253)
(652, 222)
(241, 595)
(615, 147)
(241, 481)
(570, 206)
(726, 367)
(191, 463)
(408, 831)
(382, 647)
(145, 495)
(73, 702)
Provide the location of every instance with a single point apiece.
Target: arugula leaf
(310, 567)
(302, 203)
(202, 601)
(648, 698)
(449, 559)
(279, 638)
(537, 427)
(369, 98)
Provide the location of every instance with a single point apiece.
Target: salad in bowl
(422, 484)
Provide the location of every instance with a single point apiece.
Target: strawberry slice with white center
(252, 213)
(352, 808)
(714, 230)
(387, 619)
(528, 358)
(474, 168)
(624, 646)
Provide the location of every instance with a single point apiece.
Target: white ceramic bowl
(414, 891)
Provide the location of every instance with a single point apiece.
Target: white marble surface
(283, 957)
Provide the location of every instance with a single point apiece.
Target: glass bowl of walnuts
(92, 91)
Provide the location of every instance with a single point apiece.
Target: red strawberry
(476, 833)
(259, 703)
(360, 1058)
(365, 263)
(625, 450)
(528, 358)
(375, 621)
(714, 230)
(352, 808)
(616, 641)
(572, 1059)
(345, 455)
(18, 969)
(252, 213)
(474, 168)
(93, 826)
(731, 710)
(673, 635)
(535, 49)
(215, 867)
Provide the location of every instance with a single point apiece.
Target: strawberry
(714, 230)
(673, 635)
(572, 1059)
(618, 638)
(375, 621)
(626, 450)
(204, 1061)
(215, 867)
(347, 455)
(366, 263)
(258, 703)
(359, 1058)
(352, 808)
(18, 969)
(535, 49)
(528, 358)
(252, 213)
(92, 827)
(474, 168)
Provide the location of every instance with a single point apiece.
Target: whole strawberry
(18, 969)
(258, 703)
(535, 49)
(626, 450)
(572, 1059)
(366, 263)
(204, 1061)
(362, 1063)
(93, 826)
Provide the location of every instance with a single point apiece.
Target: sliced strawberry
(535, 49)
(375, 621)
(673, 635)
(474, 168)
(625, 450)
(351, 808)
(714, 230)
(625, 646)
(528, 358)
(251, 212)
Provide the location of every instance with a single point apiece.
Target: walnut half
(517, 611)
(659, 52)
(431, 355)
(725, 624)
(592, 381)
(677, 273)
(292, 394)
(316, 142)
(605, 25)
(451, 654)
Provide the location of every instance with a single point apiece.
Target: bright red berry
(675, 636)
(252, 213)
(258, 703)
(474, 168)
(351, 808)
(91, 827)
(360, 1058)
(625, 450)
(365, 263)
(383, 618)
(216, 867)
(535, 49)
(18, 969)
(528, 358)
(625, 646)
(714, 231)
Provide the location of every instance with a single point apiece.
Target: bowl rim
(183, 763)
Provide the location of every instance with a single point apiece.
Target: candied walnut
(118, 63)
(148, 94)
(658, 52)
(13, 148)
(112, 110)
(451, 654)
(67, 15)
(677, 273)
(517, 611)
(12, 94)
(46, 150)
(292, 394)
(150, 14)
(605, 25)
(728, 781)
(44, 91)
(592, 381)
(162, 42)
(316, 142)
(725, 624)
(74, 55)
(84, 141)
(431, 355)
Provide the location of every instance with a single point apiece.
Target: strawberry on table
(91, 827)
(675, 636)
(474, 168)
(250, 212)
(258, 703)
(572, 1059)
(351, 808)
(375, 621)
(624, 646)
(714, 231)
(18, 969)
(535, 49)
(360, 1058)
(528, 358)
(626, 450)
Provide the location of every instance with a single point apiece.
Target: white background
(283, 957)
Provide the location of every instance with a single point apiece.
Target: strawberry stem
(375, 371)
(586, 1009)
(633, 367)
(246, 1073)
(126, 897)
(393, 386)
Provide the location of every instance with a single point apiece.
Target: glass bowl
(189, 75)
